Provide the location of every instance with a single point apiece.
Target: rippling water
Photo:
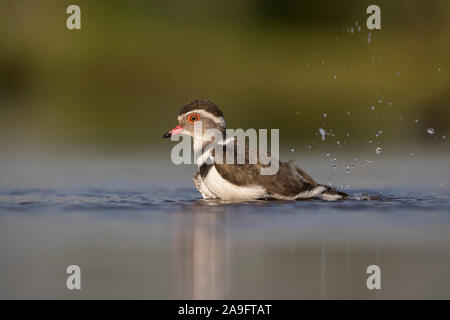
(140, 230)
(189, 200)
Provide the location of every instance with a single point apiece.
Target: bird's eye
(193, 117)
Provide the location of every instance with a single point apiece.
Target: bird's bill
(178, 129)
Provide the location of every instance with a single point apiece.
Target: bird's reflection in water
(200, 252)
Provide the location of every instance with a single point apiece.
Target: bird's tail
(331, 194)
(325, 192)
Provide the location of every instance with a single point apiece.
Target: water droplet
(322, 133)
(372, 107)
(378, 150)
(328, 155)
(389, 103)
(430, 131)
(322, 61)
(334, 77)
(416, 121)
(380, 101)
(350, 168)
(348, 113)
(324, 115)
(439, 69)
(444, 137)
(292, 150)
(398, 73)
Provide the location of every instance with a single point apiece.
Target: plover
(220, 180)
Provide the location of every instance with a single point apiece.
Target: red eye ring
(193, 117)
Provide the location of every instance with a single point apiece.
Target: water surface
(138, 229)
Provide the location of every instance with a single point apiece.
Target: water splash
(322, 133)
(378, 150)
(430, 131)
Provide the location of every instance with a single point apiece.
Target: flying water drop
(322, 133)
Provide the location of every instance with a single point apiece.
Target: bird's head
(204, 111)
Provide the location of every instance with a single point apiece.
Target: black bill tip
(167, 134)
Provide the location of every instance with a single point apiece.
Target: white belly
(225, 190)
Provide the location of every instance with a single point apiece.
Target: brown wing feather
(288, 181)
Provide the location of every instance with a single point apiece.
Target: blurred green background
(123, 77)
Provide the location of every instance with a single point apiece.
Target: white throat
(205, 156)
